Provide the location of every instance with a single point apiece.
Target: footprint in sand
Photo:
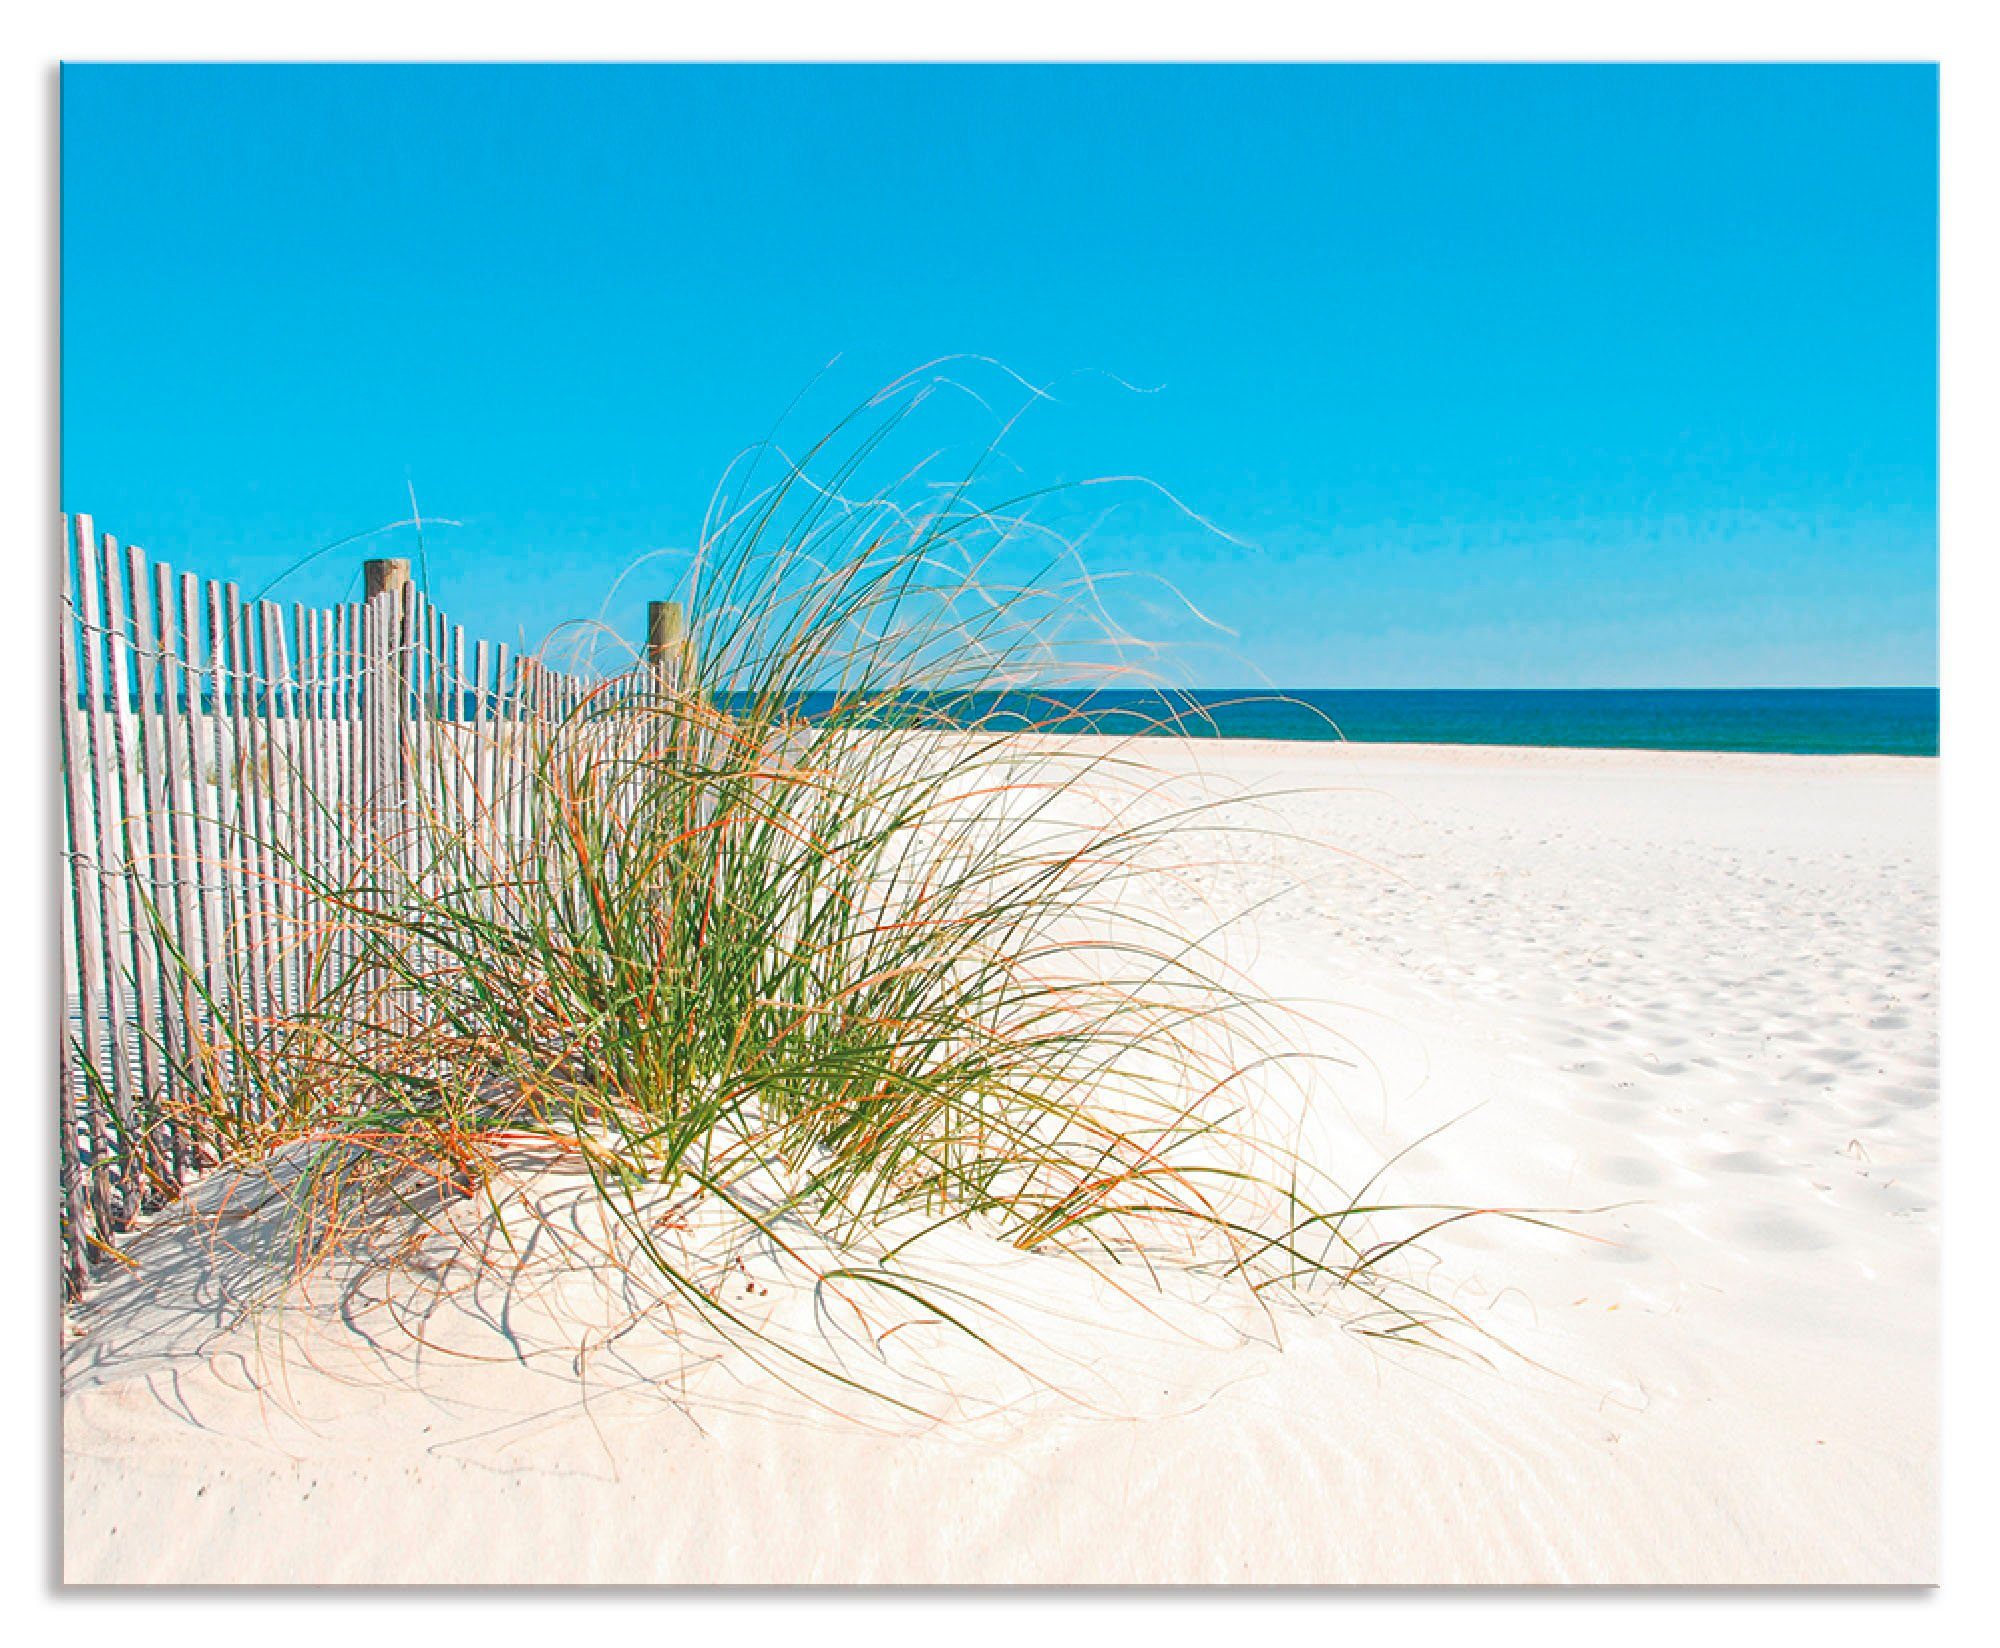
(1777, 1232)
(1620, 1253)
(1743, 1161)
(1909, 1097)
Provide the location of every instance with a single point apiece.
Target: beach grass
(836, 982)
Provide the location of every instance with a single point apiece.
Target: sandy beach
(1692, 996)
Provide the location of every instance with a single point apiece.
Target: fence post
(666, 642)
(385, 675)
(386, 689)
(383, 577)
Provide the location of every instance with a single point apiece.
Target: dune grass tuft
(816, 930)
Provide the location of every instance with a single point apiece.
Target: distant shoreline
(1581, 755)
(1898, 721)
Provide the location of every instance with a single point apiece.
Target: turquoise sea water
(1771, 720)
(1794, 721)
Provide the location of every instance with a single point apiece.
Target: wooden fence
(224, 763)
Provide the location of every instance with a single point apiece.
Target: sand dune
(1696, 991)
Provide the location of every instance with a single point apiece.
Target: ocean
(1788, 720)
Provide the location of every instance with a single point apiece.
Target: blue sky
(1504, 376)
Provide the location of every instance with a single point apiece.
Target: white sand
(1704, 986)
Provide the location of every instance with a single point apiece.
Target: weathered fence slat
(180, 710)
(305, 773)
(79, 1118)
(346, 764)
(222, 842)
(247, 825)
(205, 851)
(136, 857)
(281, 823)
(159, 933)
(482, 739)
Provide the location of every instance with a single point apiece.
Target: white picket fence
(225, 763)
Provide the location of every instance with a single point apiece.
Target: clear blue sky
(1512, 376)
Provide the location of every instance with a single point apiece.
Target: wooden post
(388, 613)
(666, 640)
(380, 577)
(386, 688)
